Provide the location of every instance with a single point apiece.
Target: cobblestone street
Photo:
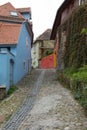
(47, 106)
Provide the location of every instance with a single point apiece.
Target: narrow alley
(48, 106)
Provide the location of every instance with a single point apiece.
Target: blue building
(16, 38)
(25, 12)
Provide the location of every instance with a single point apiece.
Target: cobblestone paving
(19, 116)
(10, 104)
(49, 107)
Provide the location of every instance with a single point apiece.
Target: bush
(76, 80)
(47, 52)
(11, 90)
(81, 74)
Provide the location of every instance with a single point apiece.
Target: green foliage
(77, 95)
(81, 74)
(11, 90)
(78, 78)
(48, 52)
(69, 71)
(75, 53)
(84, 31)
(81, 96)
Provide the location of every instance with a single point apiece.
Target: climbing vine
(73, 57)
(75, 53)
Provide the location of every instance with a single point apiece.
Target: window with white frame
(14, 13)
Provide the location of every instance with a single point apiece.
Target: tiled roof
(45, 35)
(9, 33)
(24, 10)
(57, 20)
(7, 8)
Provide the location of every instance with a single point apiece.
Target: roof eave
(5, 18)
(7, 44)
(29, 28)
(58, 18)
(38, 40)
(24, 10)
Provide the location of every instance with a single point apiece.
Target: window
(13, 13)
(3, 49)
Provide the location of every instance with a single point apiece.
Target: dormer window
(14, 14)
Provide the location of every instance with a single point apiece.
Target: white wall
(35, 55)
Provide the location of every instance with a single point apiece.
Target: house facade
(35, 55)
(25, 12)
(15, 45)
(41, 45)
(63, 14)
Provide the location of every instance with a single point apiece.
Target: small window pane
(13, 13)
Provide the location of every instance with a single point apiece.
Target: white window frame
(14, 13)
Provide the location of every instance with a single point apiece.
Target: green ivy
(76, 38)
(47, 52)
(74, 54)
(11, 90)
(78, 79)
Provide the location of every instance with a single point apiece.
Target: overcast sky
(43, 12)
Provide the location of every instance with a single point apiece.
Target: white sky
(43, 12)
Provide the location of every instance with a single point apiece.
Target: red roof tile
(24, 10)
(9, 33)
(7, 8)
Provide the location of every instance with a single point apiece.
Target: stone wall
(48, 43)
(72, 37)
(2, 92)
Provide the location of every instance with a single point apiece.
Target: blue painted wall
(5, 58)
(26, 15)
(13, 50)
(23, 55)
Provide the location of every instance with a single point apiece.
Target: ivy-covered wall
(72, 34)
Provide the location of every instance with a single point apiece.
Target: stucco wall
(48, 43)
(26, 15)
(69, 9)
(22, 63)
(21, 56)
(37, 50)
(35, 55)
(47, 62)
(5, 69)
